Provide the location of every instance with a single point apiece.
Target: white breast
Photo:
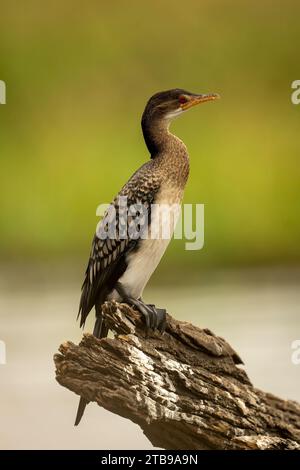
(143, 262)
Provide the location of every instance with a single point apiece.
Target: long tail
(100, 331)
(80, 410)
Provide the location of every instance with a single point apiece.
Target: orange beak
(197, 99)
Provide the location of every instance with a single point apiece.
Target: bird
(120, 267)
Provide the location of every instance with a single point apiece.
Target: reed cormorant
(120, 267)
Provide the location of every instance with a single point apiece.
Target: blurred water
(259, 319)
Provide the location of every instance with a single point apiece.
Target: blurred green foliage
(78, 75)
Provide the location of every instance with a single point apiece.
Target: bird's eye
(182, 99)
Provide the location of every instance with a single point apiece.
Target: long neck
(157, 135)
(168, 151)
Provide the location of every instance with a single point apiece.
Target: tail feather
(100, 331)
(81, 407)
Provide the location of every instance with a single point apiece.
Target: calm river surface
(259, 319)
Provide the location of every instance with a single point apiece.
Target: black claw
(144, 311)
(152, 317)
(161, 319)
(155, 318)
(147, 320)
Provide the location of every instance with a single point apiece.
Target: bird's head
(172, 103)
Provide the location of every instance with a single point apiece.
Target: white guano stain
(177, 366)
(161, 386)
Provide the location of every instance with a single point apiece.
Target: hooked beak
(197, 99)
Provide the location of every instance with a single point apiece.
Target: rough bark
(186, 388)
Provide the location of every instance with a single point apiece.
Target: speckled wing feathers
(107, 260)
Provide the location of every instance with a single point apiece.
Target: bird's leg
(155, 318)
(160, 314)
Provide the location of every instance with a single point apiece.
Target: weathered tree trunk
(186, 388)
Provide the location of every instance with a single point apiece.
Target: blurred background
(78, 75)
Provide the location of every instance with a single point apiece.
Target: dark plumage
(120, 268)
(107, 260)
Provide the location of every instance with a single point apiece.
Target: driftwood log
(186, 388)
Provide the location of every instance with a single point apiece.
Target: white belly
(141, 266)
(143, 262)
